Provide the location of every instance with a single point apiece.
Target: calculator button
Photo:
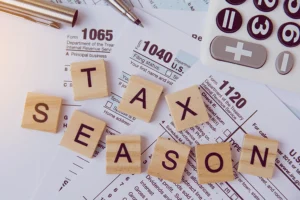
(229, 20)
(284, 62)
(289, 34)
(260, 27)
(239, 52)
(265, 5)
(236, 2)
(292, 8)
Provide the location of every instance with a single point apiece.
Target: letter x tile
(187, 108)
(89, 80)
(140, 98)
(83, 134)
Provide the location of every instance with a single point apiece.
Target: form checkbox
(234, 197)
(108, 104)
(227, 132)
(219, 140)
(168, 73)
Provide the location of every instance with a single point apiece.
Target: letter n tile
(169, 160)
(83, 134)
(140, 98)
(258, 156)
(123, 154)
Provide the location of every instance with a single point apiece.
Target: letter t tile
(83, 134)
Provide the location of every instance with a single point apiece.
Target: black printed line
(88, 51)
(83, 159)
(72, 172)
(77, 165)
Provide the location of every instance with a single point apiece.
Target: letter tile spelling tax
(169, 160)
(258, 156)
(123, 154)
(140, 98)
(187, 108)
(89, 80)
(214, 163)
(41, 112)
(83, 133)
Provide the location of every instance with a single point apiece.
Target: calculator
(255, 39)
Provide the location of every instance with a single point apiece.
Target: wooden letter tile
(140, 98)
(258, 156)
(123, 154)
(214, 163)
(89, 80)
(169, 160)
(83, 134)
(41, 112)
(187, 108)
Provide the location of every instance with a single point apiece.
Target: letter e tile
(41, 112)
(140, 98)
(169, 160)
(214, 163)
(89, 80)
(258, 156)
(187, 108)
(83, 134)
(123, 154)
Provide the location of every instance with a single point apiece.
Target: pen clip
(31, 18)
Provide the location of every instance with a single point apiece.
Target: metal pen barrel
(42, 9)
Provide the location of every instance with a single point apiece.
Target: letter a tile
(140, 98)
(258, 156)
(41, 112)
(89, 80)
(187, 108)
(169, 160)
(83, 134)
(214, 163)
(123, 154)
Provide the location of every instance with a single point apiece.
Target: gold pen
(40, 12)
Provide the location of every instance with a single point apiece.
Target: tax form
(68, 164)
(236, 107)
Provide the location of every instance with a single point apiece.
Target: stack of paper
(43, 65)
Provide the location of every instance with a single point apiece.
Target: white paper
(33, 59)
(68, 164)
(262, 115)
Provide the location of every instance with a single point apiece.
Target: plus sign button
(229, 20)
(238, 52)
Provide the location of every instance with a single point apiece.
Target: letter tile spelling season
(169, 160)
(41, 112)
(83, 133)
(123, 154)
